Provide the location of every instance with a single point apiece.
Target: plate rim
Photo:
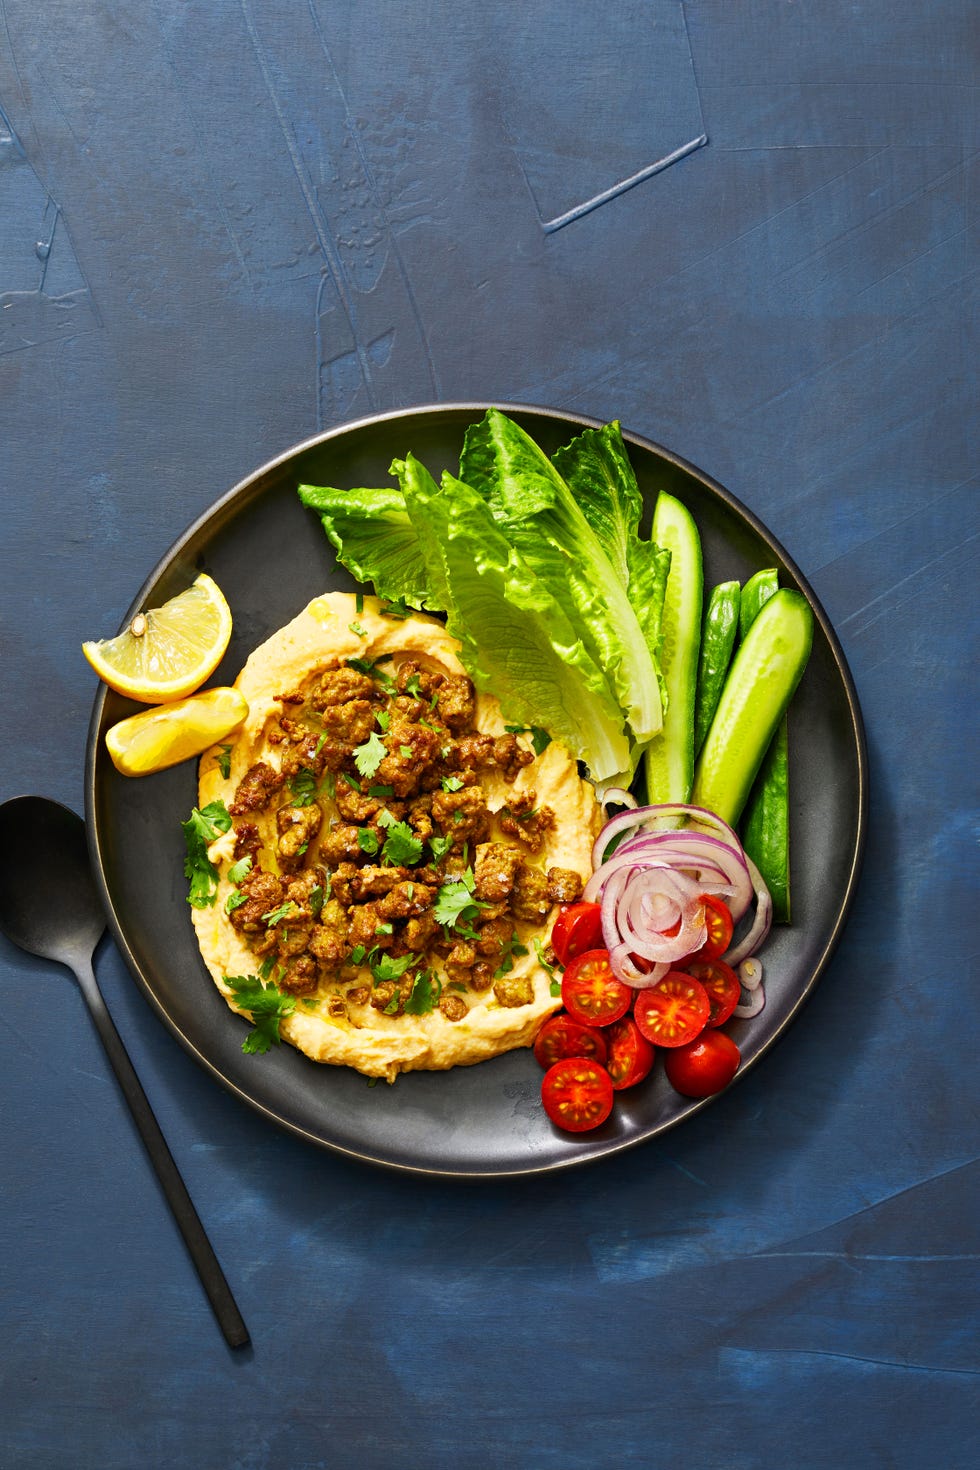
(213, 514)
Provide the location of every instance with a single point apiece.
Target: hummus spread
(397, 856)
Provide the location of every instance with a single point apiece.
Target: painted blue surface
(224, 226)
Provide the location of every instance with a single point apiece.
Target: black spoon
(49, 906)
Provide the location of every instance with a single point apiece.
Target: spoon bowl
(48, 901)
(49, 907)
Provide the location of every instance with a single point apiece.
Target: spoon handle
(200, 1248)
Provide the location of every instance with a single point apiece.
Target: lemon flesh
(167, 652)
(157, 738)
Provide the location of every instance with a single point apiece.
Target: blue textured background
(224, 226)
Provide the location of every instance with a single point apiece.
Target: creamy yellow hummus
(337, 1017)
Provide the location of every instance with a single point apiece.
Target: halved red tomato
(578, 928)
(720, 925)
(703, 1067)
(721, 983)
(577, 1094)
(674, 1011)
(591, 993)
(630, 1055)
(562, 1037)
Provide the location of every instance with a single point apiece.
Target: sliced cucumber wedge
(761, 682)
(669, 757)
(717, 642)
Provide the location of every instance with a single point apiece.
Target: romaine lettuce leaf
(374, 540)
(597, 469)
(517, 641)
(540, 517)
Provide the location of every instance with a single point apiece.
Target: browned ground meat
(564, 885)
(352, 722)
(340, 686)
(462, 815)
(248, 840)
(340, 895)
(297, 826)
(495, 870)
(263, 895)
(453, 1007)
(529, 899)
(528, 823)
(256, 789)
(456, 702)
(514, 990)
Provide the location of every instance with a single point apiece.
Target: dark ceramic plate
(270, 556)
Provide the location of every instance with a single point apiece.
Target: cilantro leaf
(452, 783)
(455, 901)
(388, 968)
(425, 994)
(235, 900)
(367, 840)
(540, 739)
(402, 848)
(284, 911)
(265, 1004)
(366, 666)
(440, 846)
(202, 827)
(316, 900)
(223, 760)
(302, 787)
(511, 948)
(238, 870)
(368, 757)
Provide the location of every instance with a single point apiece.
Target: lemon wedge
(157, 738)
(169, 651)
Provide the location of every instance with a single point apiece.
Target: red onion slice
(653, 879)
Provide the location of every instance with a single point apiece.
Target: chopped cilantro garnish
(452, 783)
(455, 901)
(284, 911)
(223, 760)
(265, 969)
(356, 628)
(316, 900)
(366, 666)
(235, 900)
(352, 781)
(387, 968)
(302, 787)
(511, 948)
(238, 870)
(368, 757)
(357, 954)
(395, 609)
(413, 687)
(202, 827)
(384, 720)
(265, 1004)
(381, 791)
(402, 848)
(367, 840)
(440, 846)
(540, 739)
(425, 993)
(358, 603)
(405, 751)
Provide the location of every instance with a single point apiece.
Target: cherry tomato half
(562, 1037)
(578, 928)
(720, 926)
(591, 993)
(721, 983)
(630, 1054)
(703, 1067)
(577, 1094)
(674, 1011)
